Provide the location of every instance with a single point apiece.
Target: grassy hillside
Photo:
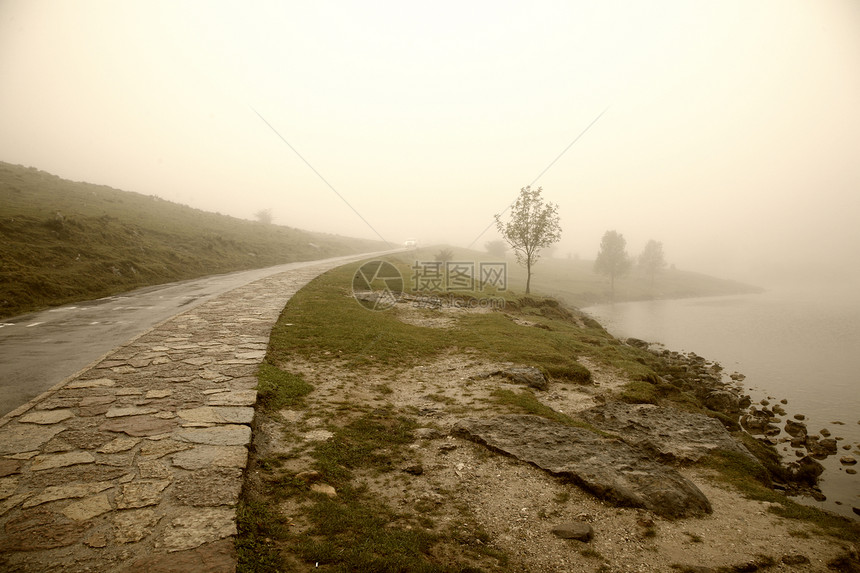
(575, 283)
(64, 241)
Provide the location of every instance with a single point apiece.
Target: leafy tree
(264, 216)
(651, 259)
(612, 258)
(496, 248)
(533, 226)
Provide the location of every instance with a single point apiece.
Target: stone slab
(667, 434)
(45, 416)
(215, 557)
(203, 456)
(218, 414)
(234, 398)
(138, 426)
(119, 412)
(609, 469)
(96, 383)
(209, 487)
(67, 491)
(202, 526)
(133, 525)
(120, 444)
(18, 438)
(51, 461)
(87, 508)
(226, 435)
(140, 494)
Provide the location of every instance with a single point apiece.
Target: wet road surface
(40, 350)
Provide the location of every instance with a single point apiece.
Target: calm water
(799, 344)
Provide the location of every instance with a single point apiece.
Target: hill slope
(64, 241)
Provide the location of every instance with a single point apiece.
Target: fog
(731, 130)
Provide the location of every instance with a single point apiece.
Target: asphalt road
(40, 350)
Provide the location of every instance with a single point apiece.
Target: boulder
(830, 445)
(806, 470)
(574, 530)
(528, 375)
(607, 468)
(638, 343)
(795, 429)
(795, 559)
(821, 448)
(759, 422)
(723, 401)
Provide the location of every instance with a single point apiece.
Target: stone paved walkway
(136, 464)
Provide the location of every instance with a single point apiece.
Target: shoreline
(488, 438)
(765, 416)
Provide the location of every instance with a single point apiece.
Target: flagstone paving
(137, 463)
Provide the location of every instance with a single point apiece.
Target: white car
(410, 243)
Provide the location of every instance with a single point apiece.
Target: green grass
(355, 530)
(639, 392)
(258, 525)
(277, 389)
(753, 481)
(373, 441)
(63, 241)
(326, 323)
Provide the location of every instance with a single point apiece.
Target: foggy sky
(731, 131)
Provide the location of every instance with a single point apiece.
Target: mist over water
(794, 342)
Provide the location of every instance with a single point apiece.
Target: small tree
(496, 248)
(264, 216)
(651, 259)
(533, 226)
(612, 259)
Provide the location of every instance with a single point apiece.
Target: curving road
(40, 350)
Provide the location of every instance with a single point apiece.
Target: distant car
(410, 243)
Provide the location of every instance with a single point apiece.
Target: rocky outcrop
(667, 434)
(608, 468)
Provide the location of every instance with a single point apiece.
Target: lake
(800, 343)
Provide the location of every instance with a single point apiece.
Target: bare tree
(533, 226)
(612, 258)
(264, 216)
(651, 259)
